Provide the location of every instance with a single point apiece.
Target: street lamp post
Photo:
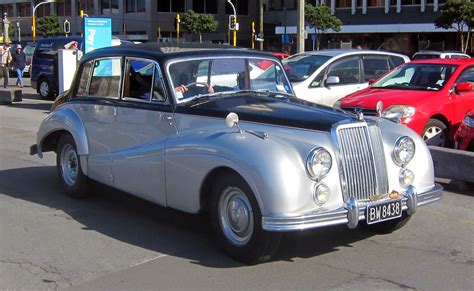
(33, 18)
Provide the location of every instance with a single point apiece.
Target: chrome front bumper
(350, 214)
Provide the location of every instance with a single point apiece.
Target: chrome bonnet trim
(342, 215)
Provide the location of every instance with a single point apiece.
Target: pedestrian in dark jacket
(19, 63)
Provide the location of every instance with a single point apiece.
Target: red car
(429, 96)
(265, 64)
(464, 136)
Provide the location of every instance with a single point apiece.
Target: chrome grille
(362, 160)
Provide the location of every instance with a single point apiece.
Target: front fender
(63, 119)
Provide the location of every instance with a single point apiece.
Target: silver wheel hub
(434, 135)
(69, 164)
(44, 89)
(236, 216)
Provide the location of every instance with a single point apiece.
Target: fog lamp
(406, 177)
(321, 194)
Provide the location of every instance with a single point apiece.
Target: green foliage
(50, 25)
(459, 15)
(199, 23)
(320, 18)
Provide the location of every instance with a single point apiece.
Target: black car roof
(166, 51)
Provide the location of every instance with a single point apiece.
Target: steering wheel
(197, 84)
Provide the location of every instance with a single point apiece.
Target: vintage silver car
(203, 129)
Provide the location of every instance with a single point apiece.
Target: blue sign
(97, 33)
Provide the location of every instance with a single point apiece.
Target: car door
(144, 123)
(95, 102)
(463, 101)
(348, 72)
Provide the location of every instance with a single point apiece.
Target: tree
(50, 25)
(199, 23)
(459, 15)
(319, 17)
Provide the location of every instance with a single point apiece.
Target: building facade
(404, 26)
(139, 20)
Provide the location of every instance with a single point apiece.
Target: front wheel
(390, 226)
(435, 133)
(69, 169)
(44, 90)
(237, 222)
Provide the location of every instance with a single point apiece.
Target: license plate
(383, 211)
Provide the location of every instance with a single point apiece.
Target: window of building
(135, 6)
(109, 6)
(375, 3)
(171, 5)
(7, 8)
(24, 9)
(205, 6)
(87, 6)
(63, 8)
(411, 2)
(242, 6)
(43, 10)
(344, 4)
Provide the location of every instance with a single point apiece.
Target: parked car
(429, 96)
(423, 55)
(44, 66)
(258, 159)
(464, 136)
(328, 75)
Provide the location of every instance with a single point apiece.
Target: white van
(423, 55)
(328, 75)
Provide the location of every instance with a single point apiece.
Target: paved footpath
(117, 242)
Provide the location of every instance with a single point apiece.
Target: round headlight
(321, 194)
(404, 151)
(406, 178)
(318, 164)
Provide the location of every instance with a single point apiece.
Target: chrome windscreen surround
(361, 160)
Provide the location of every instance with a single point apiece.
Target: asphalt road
(114, 241)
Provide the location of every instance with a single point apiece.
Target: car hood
(293, 113)
(368, 98)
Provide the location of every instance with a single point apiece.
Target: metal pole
(261, 24)
(236, 23)
(253, 34)
(300, 36)
(33, 18)
(18, 31)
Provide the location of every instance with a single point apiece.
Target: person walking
(19, 63)
(5, 59)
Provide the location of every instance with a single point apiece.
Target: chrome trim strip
(340, 215)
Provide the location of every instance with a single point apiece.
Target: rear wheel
(237, 222)
(69, 169)
(435, 133)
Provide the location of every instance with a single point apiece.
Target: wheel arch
(441, 118)
(207, 184)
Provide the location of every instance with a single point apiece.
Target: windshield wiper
(213, 96)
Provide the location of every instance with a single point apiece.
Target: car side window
(158, 87)
(138, 79)
(396, 61)
(105, 81)
(84, 79)
(467, 76)
(348, 71)
(374, 67)
(318, 80)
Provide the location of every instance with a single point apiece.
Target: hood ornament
(358, 113)
(379, 108)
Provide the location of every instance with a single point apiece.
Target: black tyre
(237, 222)
(389, 226)
(45, 90)
(435, 133)
(69, 169)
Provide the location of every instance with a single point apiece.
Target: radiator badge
(359, 114)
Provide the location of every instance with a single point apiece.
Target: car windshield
(221, 77)
(426, 77)
(29, 50)
(300, 67)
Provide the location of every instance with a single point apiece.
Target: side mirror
(232, 119)
(463, 87)
(371, 81)
(332, 80)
